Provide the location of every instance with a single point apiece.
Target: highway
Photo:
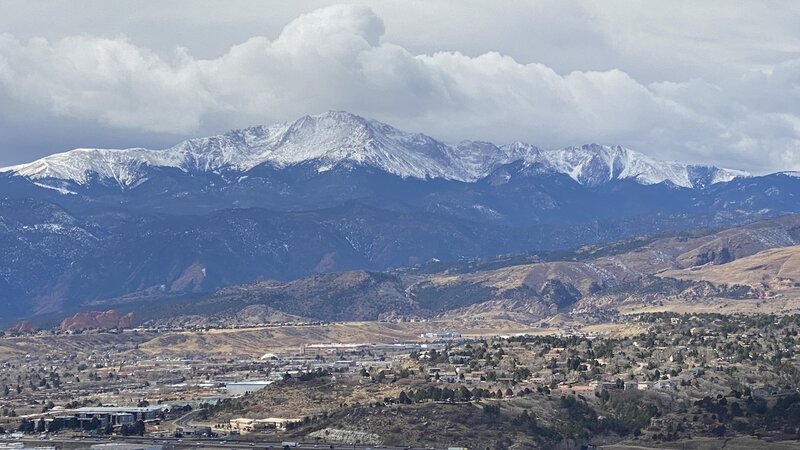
(193, 442)
(85, 443)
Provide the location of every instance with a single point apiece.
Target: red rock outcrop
(97, 320)
(22, 327)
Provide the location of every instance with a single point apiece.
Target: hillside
(770, 272)
(636, 271)
(766, 281)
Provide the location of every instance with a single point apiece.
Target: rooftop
(115, 409)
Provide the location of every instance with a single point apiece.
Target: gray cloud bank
(83, 90)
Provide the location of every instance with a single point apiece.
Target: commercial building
(116, 415)
(249, 425)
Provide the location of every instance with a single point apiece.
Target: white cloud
(342, 57)
(110, 80)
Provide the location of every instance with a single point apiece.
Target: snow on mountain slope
(339, 138)
(327, 139)
(79, 165)
(595, 164)
(478, 158)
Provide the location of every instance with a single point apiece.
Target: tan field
(254, 342)
(718, 305)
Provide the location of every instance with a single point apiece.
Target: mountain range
(749, 268)
(341, 139)
(330, 193)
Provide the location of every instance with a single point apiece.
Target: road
(186, 419)
(75, 443)
(193, 442)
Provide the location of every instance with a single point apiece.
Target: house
(554, 353)
(557, 377)
(598, 385)
(665, 385)
(472, 377)
(631, 385)
(449, 377)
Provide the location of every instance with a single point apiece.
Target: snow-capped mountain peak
(82, 164)
(338, 138)
(595, 164)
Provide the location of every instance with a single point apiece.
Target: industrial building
(116, 415)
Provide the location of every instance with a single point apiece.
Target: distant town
(684, 376)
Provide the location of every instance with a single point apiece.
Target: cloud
(110, 80)
(340, 57)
